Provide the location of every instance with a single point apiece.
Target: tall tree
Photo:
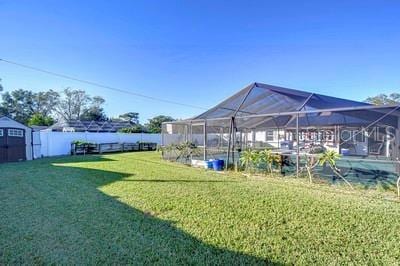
(381, 99)
(72, 104)
(44, 102)
(21, 104)
(154, 125)
(18, 104)
(95, 110)
(38, 107)
(132, 117)
(3, 110)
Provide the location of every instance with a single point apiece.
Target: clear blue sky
(201, 52)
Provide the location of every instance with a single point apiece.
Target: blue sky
(201, 52)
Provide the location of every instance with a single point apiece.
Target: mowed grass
(136, 208)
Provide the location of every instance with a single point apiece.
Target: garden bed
(81, 147)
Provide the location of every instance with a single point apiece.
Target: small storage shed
(15, 141)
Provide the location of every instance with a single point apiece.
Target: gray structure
(295, 123)
(15, 141)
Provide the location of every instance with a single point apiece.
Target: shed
(15, 141)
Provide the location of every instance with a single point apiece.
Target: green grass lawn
(135, 208)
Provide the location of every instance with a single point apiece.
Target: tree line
(381, 99)
(44, 108)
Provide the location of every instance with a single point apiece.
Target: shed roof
(9, 122)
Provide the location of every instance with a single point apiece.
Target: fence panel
(59, 143)
(36, 145)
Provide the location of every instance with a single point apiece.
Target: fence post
(48, 144)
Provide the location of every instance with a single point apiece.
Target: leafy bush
(133, 129)
(269, 159)
(40, 120)
(187, 150)
(264, 160)
(82, 142)
(184, 151)
(248, 160)
(328, 158)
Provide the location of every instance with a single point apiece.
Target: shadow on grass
(179, 181)
(361, 176)
(53, 213)
(165, 163)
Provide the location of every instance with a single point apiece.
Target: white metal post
(396, 148)
(205, 141)
(298, 146)
(162, 137)
(253, 138)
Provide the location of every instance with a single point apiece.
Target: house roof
(90, 126)
(38, 128)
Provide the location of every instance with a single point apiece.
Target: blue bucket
(218, 165)
(208, 164)
(345, 152)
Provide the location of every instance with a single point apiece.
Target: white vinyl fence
(47, 143)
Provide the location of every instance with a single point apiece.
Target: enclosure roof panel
(259, 98)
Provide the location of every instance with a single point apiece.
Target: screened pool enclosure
(295, 124)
